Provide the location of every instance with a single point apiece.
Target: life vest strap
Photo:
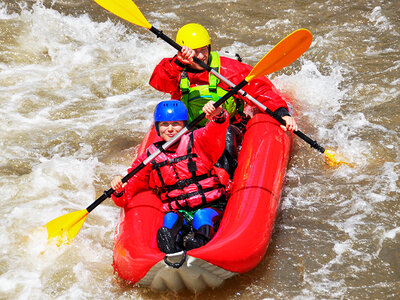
(175, 160)
(184, 183)
(189, 195)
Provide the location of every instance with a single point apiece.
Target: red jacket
(208, 144)
(166, 77)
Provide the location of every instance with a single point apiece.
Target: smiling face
(168, 129)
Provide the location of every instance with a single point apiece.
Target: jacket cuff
(281, 112)
(118, 195)
(220, 119)
(119, 201)
(178, 62)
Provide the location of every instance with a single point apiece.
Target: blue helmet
(170, 110)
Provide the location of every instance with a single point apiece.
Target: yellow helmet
(193, 36)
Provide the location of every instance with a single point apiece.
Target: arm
(211, 138)
(124, 192)
(166, 77)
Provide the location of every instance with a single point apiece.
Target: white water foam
(62, 86)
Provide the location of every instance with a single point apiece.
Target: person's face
(168, 129)
(202, 54)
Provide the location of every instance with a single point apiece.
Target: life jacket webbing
(184, 183)
(188, 195)
(158, 145)
(173, 160)
(192, 167)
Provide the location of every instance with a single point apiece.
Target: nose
(200, 55)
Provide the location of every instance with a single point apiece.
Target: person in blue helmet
(183, 176)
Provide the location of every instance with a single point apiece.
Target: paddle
(127, 10)
(66, 227)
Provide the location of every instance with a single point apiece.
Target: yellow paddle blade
(283, 54)
(66, 227)
(125, 9)
(335, 160)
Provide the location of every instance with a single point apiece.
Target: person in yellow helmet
(184, 79)
(195, 41)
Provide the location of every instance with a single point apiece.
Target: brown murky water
(75, 101)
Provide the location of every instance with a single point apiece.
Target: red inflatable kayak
(243, 236)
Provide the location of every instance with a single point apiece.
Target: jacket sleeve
(166, 77)
(260, 88)
(137, 183)
(211, 138)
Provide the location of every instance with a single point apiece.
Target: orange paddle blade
(283, 54)
(66, 227)
(125, 9)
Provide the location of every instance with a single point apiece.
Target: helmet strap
(209, 54)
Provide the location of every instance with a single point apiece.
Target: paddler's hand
(291, 124)
(210, 110)
(117, 184)
(186, 55)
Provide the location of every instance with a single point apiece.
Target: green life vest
(196, 97)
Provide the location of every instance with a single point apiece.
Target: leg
(168, 236)
(205, 224)
(228, 160)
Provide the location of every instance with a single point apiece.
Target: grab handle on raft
(178, 264)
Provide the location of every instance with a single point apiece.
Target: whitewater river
(75, 101)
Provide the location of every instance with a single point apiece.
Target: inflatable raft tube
(244, 233)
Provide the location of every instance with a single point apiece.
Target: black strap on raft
(178, 264)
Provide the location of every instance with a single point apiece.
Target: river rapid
(75, 102)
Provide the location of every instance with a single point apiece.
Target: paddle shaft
(300, 134)
(165, 146)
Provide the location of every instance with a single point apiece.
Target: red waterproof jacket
(166, 78)
(183, 174)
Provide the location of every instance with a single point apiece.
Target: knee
(205, 216)
(234, 136)
(173, 221)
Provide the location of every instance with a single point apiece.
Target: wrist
(119, 194)
(221, 113)
(220, 118)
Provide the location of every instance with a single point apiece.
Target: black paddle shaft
(109, 192)
(300, 134)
